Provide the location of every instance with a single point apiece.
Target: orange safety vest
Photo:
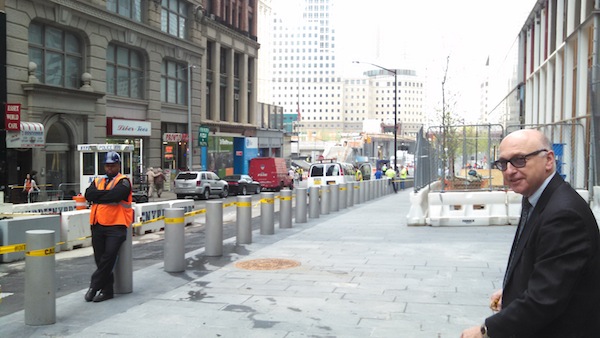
(109, 214)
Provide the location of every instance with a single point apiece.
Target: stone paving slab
(363, 273)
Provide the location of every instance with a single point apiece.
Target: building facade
(558, 75)
(147, 73)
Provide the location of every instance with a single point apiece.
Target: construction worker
(403, 175)
(359, 176)
(110, 216)
(391, 174)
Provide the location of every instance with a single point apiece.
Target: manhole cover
(267, 264)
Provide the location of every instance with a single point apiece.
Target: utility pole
(3, 99)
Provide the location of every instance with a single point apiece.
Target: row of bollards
(40, 283)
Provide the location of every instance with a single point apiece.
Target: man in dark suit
(552, 283)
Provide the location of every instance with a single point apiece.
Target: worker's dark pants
(106, 241)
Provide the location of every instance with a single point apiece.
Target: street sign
(13, 116)
(203, 136)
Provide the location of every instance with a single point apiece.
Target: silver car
(200, 184)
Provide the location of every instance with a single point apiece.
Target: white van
(325, 173)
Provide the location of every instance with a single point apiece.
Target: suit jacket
(553, 286)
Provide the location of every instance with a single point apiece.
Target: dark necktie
(525, 208)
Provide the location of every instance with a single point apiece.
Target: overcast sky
(421, 35)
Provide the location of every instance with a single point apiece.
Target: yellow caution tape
(12, 248)
(174, 220)
(267, 200)
(244, 204)
(342, 188)
(138, 224)
(228, 204)
(356, 187)
(40, 252)
(285, 198)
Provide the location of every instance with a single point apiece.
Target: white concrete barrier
(513, 207)
(419, 205)
(75, 229)
(474, 208)
(12, 233)
(46, 208)
(187, 205)
(150, 215)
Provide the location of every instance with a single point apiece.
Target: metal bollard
(214, 228)
(243, 219)
(349, 194)
(356, 189)
(325, 199)
(335, 197)
(361, 191)
(267, 212)
(124, 266)
(342, 198)
(285, 209)
(40, 278)
(313, 202)
(301, 203)
(174, 245)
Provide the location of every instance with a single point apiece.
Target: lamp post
(395, 72)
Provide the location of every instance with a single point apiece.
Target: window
(173, 17)
(174, 82)
(58, 55)
(128, 8)
(124, 72)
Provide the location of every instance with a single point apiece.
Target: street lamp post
(395, 72)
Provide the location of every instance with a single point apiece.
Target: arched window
(58, 55)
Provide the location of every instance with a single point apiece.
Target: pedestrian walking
(110, 216)
(550, 286)
(150, 174)
(159, 181)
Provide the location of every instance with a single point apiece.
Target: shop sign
(13, 117)
(118, 127)
(30, 135)
(203, 133)
(175, 137)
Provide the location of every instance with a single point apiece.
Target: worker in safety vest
(110, 216)
(359, 176)
(403, 175)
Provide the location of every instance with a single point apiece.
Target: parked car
(271, 173)
(242, 184)
(200, 184)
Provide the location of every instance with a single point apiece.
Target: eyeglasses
(517, 161)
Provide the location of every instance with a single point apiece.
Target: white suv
(200, 184)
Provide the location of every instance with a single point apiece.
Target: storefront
(130, 132)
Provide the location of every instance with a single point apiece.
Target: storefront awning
(31, 135)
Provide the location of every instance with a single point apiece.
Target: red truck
(271, 173)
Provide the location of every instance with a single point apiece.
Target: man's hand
(473, 332)
(496, 301)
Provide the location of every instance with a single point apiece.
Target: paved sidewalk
(362, 273)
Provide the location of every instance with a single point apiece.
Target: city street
(74, 268)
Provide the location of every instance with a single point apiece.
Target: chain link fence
(462, 155)
(570, 146)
